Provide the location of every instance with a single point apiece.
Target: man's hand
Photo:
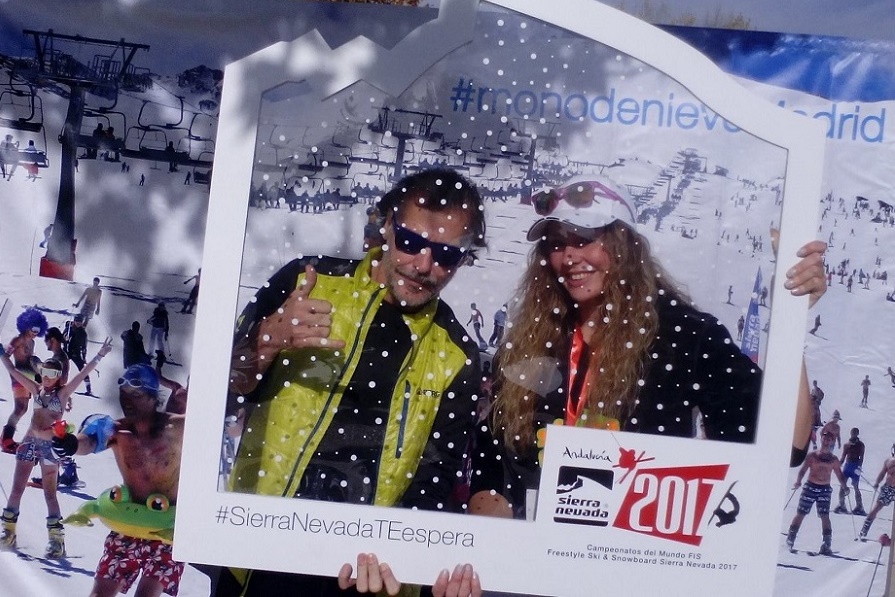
(372, 576)
(462, 582)
(67, 445)
(808, 275)
(300, 322)
(106, 348)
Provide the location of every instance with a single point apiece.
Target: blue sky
(861, 19)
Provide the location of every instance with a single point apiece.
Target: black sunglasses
(408, 241)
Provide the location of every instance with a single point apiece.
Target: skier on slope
(820, 466)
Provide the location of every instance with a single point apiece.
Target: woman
(50, 397)
(603, 338)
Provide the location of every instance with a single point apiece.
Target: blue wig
(31, 318)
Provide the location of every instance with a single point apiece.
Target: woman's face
(580, 262)
(50, 377)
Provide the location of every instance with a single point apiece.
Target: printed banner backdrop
(703, 162)
(144, 241)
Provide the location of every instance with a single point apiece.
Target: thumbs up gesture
(300, 322)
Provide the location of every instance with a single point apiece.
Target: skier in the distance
(886, 494)
(852, 458)
(477, 320)
(865, 390)
(820, 466)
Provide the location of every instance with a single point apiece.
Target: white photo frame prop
(302, 116)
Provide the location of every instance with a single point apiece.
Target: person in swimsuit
(50, 397)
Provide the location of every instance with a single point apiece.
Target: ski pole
(794, 489)
(883, 542)
(853, 527)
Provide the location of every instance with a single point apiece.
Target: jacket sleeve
(265, 302)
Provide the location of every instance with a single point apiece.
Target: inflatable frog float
(153, 520)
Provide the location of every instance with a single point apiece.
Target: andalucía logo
(670, 503)
(582, 496)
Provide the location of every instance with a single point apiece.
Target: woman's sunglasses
(408, 241)
(576, 194)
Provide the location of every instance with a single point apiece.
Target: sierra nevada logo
(582, 496)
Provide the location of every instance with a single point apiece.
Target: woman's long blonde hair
(544, 316)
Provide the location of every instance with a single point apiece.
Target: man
(477, 320)
(190, 303)
(133, 351)
(816, 325)
(852, 457)
(833, 427)
(76, 346)
(372, 230)
(54, 341)
(817, 396)
(886, 494)
(147, 445)
(500, 324)
(344, 350)
(820, 466)
(865, 390)
(158, 334)
(31, 324)
(92, 296)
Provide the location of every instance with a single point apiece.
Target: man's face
(136, 403)
(827, 439)
(414, 277)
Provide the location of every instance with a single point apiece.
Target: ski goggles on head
(50, 372)
(582, 194)
(582, 204)
(139, 377)
(408, 241)
(578, 194)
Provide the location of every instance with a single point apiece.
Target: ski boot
(825, 548)
(56, 534)
(865, 529)
(7, 444)
(8, 536)
(840, 509)
(160, 359)
(791, 536)
(859, 511)
(68, 474)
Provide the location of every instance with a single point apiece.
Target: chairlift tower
(404, 125)
(55, 67)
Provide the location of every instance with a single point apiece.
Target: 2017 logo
(670, 503)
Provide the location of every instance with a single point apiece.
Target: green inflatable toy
(153, 520)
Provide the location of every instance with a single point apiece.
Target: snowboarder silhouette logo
(726, 517)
